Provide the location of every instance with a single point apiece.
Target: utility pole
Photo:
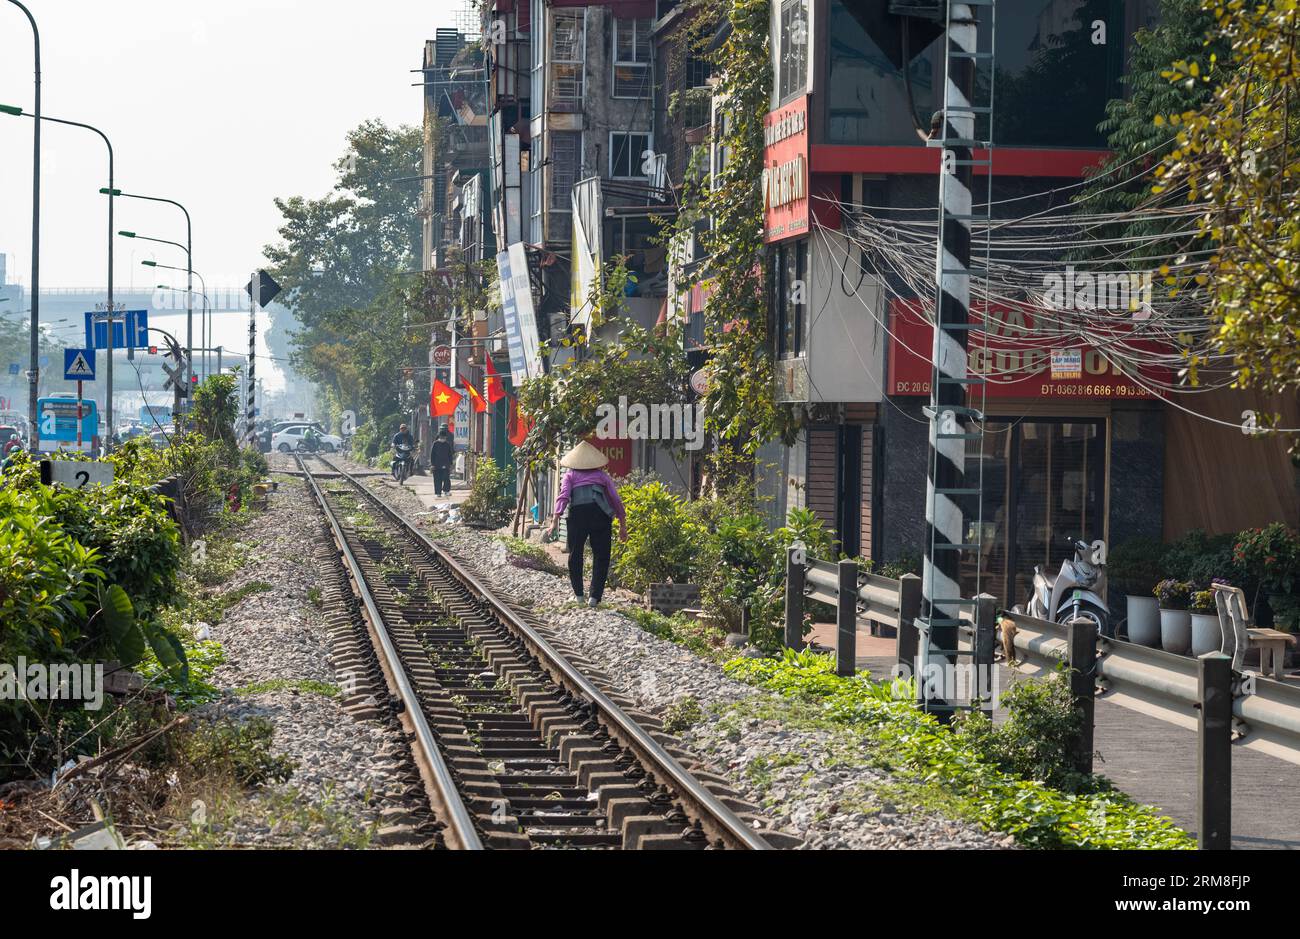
(250, 408)
(951, 417)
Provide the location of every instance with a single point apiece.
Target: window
(568, 53)
(632, 58)
(792, 62)
(1044, 479)
(625, 154)
(790, 296)
(566, 162)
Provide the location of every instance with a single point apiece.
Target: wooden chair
(1239, 635)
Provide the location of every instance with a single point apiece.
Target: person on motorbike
(311, 440)
(403, 443)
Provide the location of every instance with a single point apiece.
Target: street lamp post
(207, 316)
(33, 371)
(205, 329)
(108, 372)
(189, 255)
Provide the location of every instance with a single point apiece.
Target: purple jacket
(588, 478)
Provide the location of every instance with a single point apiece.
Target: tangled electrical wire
(1129, 285)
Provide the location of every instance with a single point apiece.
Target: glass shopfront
(1044, 484)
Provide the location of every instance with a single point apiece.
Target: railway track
(515, 744)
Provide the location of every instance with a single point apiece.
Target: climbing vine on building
(725, 211)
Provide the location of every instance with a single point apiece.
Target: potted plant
(1207, 632)
(1271, 555)
(1134, 566)
(1175, 621)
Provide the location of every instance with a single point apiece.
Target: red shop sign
(619, 452)
(785, 171)
(1017, 361)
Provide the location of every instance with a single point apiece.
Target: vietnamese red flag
(475, 398)
(519, 425)
(495, 388)
(442, 400)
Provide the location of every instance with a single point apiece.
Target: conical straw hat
(584, 457)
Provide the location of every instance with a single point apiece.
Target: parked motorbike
(1075, 590)
(403, 463)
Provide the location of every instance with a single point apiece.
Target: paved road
(1155, 763)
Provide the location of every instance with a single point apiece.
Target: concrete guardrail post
(1081, 641)
(846, 619)
(1214, 752)
(794, 586)
(907, 637)
(985, 630)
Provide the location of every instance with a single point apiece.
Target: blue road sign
(14, 368)
(78, 364)
(135, 328)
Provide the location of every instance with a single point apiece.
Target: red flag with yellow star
(495, 388)
(475, 398)
(442, 400)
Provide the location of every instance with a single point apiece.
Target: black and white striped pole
(262, 289)
(250, 416)
(948, 413)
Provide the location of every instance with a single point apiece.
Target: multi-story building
(1091, 453)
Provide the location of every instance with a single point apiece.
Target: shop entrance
(1044, 486)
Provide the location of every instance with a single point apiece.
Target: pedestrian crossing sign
(78, 365)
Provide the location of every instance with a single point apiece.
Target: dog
(1008, 627)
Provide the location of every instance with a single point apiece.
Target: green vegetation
(303, 685)
(708, 642)
(999, 778)
(663, 540)
(487, 505)
(94, 575)
(530, 554)
(240, 750)
(682, 714)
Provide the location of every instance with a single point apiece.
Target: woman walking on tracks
(589, 494)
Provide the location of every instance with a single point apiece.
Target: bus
(57, 424)
(154, 417)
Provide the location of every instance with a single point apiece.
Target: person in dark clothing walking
(592, 500)
(440, 459)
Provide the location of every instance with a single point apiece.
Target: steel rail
(460, 831)
(707, 808)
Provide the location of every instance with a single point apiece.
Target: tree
(1137, 143)
(338, 263)
(1237, 157)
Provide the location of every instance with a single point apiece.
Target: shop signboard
(1018, 359)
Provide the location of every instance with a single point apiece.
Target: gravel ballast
(277, 667)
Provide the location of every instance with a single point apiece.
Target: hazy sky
(219, 104)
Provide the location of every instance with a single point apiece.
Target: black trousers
(588, 522)
(441, 480)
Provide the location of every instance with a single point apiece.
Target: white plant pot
(1144, 621)
(1207, 634)
(1176, 631)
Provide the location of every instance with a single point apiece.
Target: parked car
(287, 440)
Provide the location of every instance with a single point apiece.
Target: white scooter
(1076, 590)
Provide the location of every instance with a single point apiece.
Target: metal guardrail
(1266, 713)
(1225, 708)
